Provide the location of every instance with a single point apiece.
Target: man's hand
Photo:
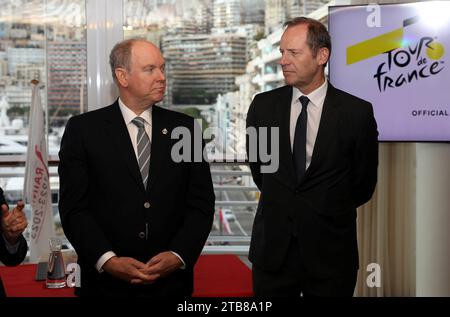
(14, 222)
(163, 264)
(129, 269)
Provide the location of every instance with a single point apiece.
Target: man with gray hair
(304, 234)
(137, 219)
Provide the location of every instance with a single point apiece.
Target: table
(214, 276)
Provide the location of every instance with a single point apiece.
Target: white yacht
(14, 134)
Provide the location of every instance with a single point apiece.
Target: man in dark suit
(137, 219)
(304, 233)
(13, 246)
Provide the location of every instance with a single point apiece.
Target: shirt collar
(317, 97)
(129, 115)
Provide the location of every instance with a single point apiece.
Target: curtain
(386, 225)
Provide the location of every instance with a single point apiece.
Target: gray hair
(120, 56)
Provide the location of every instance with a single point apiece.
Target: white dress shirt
(314, 109)
(128, 116)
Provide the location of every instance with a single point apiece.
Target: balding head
(138, 69)
(120, 56)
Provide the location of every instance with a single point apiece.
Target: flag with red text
(37, 191)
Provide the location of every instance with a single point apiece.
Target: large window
(43, 40)
(219, 54)
(46, 41)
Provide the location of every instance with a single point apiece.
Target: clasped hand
(136, 272)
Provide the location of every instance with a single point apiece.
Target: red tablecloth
(214, 276)
(222, 276)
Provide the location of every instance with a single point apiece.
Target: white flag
(37, 183)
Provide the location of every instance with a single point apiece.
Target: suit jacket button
(142, 235)
(147, 205)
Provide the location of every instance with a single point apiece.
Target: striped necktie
(143, 149)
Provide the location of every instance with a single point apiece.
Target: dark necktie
(143, 149)
(300, 139)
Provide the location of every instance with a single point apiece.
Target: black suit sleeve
(254, 162)
(199, 213)
(2, 198)
(365, 159)
(77, 218)
(7, 258)
(14, 259)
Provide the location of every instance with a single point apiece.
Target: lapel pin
(164, 131)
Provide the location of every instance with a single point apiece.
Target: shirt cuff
(178, 256)
(105, 257)
(12, 248)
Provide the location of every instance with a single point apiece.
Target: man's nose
(283, 60)
(161, 75)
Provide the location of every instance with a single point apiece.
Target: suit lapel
(326, 132)
(116, 127)
(161, 132)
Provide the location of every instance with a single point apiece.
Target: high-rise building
(180, 26)
(225, 140)
(18, 96)
(249, 31)
(295, 8)
(66, 91)
(226, 13)
(24, 56)
(199, 67)
(3, 64)
(204, 16)
(308, 6)
(153, 4)
(252, 12)
(275, 14)
(280, 11)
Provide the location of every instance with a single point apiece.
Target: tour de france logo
(405, 61)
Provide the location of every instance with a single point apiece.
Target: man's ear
(323, 55)
(121, 75)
